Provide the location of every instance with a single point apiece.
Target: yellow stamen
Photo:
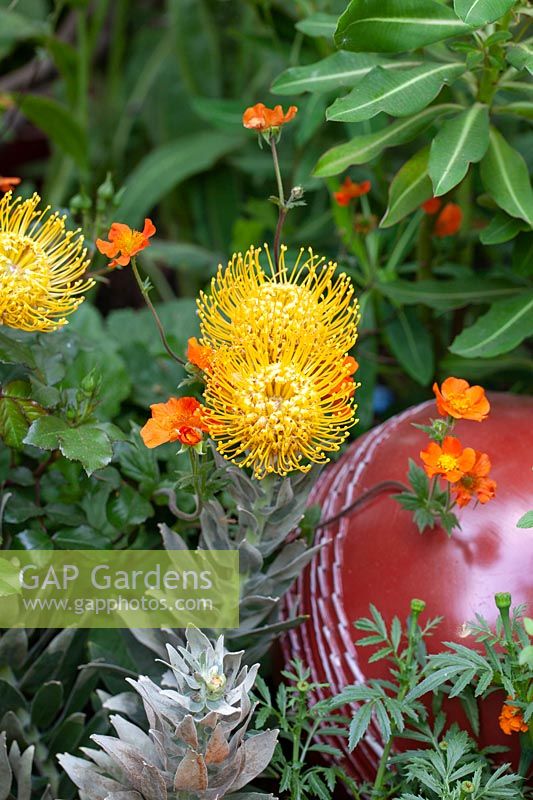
(41, 266)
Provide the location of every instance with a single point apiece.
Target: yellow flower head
(248, 303)
(279, 391)
(41, 266)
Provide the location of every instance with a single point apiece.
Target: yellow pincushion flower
(279, 388)
(41, 266)
(247, 302)
(278, 416)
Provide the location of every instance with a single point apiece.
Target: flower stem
(150, 305)
(282, 208)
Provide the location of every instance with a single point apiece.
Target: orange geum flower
(350, 190)
(432, 205)
(200, 355)
(458, 399)
(511, 719)
(449, 221)
(180, 419)
(262, 119)
(449, 460)
(8, 183)
(124, 242)
(475, 482)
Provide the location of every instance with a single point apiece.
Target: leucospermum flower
(282, 415)
(279, 388)
(249, 302)
(41, 266)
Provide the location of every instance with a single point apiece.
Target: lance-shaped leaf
(520, 56)
(461, 141)
(502, 228)
(339, 69)
(318, 24)
(480, 12)
(394, 26)
(505, 176)
(362, 149)
(399, 92)
(410, 188)
(502, 328)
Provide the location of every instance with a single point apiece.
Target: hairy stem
(155, 315)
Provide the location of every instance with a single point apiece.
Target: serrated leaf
(394, 26)
(17, 411)
(359, 725)
(481, 12)
(87, 443)
(505, 176)
(410, 187)
(502, 328)
(362, 149)
(59, 124)
(399, 92)
(461, 141)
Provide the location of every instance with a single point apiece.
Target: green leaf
(505, 176)
(338, 69)
(522, 262)
(13, 351)
(518, 109)
(410, 187)
(502, 228)
(17, 412)
(166, 166)
(128, 508)
(81, 537)
(411, 343)
(450, 294)
(15, 28)
(461, 141)
(394, 26)
(398, 92)
(318, 25)
(480, 12)
(44, 432)
(526, 521)
(362, 149)
(87, 443)
(520, 56)
(502, 328)
(58, 123)
(46, 704)
(359, 725)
